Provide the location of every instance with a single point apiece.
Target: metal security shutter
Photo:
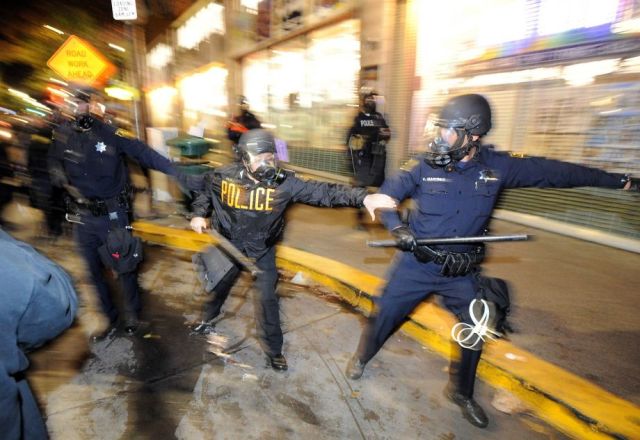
(607, 210)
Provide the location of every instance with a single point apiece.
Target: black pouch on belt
(122, 252)
(211, 266)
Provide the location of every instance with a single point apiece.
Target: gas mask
(83, 118)
(369, 105)
(447, 143)
(263, 167)
(257, 149)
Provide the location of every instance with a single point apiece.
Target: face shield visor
(262, 166)
(445, 141)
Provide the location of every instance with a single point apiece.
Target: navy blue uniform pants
(266, 302)
(410, 283)
(90, 236)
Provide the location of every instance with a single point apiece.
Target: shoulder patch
(40, 139)
(124, 133)
(409, 165)
(517, 154)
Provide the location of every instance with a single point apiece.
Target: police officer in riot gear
(366, 143)
(87, 158)
(248, 200)
(455, 186)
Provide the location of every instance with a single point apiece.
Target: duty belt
(99, 207)
(453, 263)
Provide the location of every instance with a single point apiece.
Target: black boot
(471, 410)
(278, 362)
(355, 368)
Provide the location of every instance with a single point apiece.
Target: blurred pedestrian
(455, 185)
(247, 201)
(37, 303)
(367, 146)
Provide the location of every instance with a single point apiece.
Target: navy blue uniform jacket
(93, 161)
(459, 203)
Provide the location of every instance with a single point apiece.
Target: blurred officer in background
(455, 186)
(241, 123)
(248, 200)
(37, 303)
(6, 175)
(88, 160)
(367, 144)
(42, 194)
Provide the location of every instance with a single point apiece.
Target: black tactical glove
(404, 238)
(424, 254)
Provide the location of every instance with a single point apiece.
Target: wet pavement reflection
(164, 382)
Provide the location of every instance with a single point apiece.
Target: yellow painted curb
(571, 404)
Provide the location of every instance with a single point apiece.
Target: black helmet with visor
(449, 136)
(257, 149)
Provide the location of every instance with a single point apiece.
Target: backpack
(496, 292)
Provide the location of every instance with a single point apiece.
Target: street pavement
(165, 383)
(574, 303)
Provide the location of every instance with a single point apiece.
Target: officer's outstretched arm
(378, 201)
(198, 224)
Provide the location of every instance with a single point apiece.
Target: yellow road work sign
(79, 62)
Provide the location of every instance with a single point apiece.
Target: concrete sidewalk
(560, 310)
(584, 409)
(164, 383)
(574, 302)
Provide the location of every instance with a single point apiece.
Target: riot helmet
(257, 150)
(449, 136)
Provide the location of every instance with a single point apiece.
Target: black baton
(452, 240)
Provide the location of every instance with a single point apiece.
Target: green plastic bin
(194, 169)
(190, 146)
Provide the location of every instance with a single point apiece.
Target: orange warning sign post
(79, 62)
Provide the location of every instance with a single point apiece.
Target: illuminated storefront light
(256, 74)
(162, 101)
(205, 92)
(630, 65)
(584, 73)
(119, 93)
(561, 16)
(495, 29)
(631, 26)
(209, 20)
(250, 5)
(518, 76)
(160, 56)
(288, 69)
(334, 64)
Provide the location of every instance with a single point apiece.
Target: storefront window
(305, 90)
(551, 96)
(204, 99)
(161, 105)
